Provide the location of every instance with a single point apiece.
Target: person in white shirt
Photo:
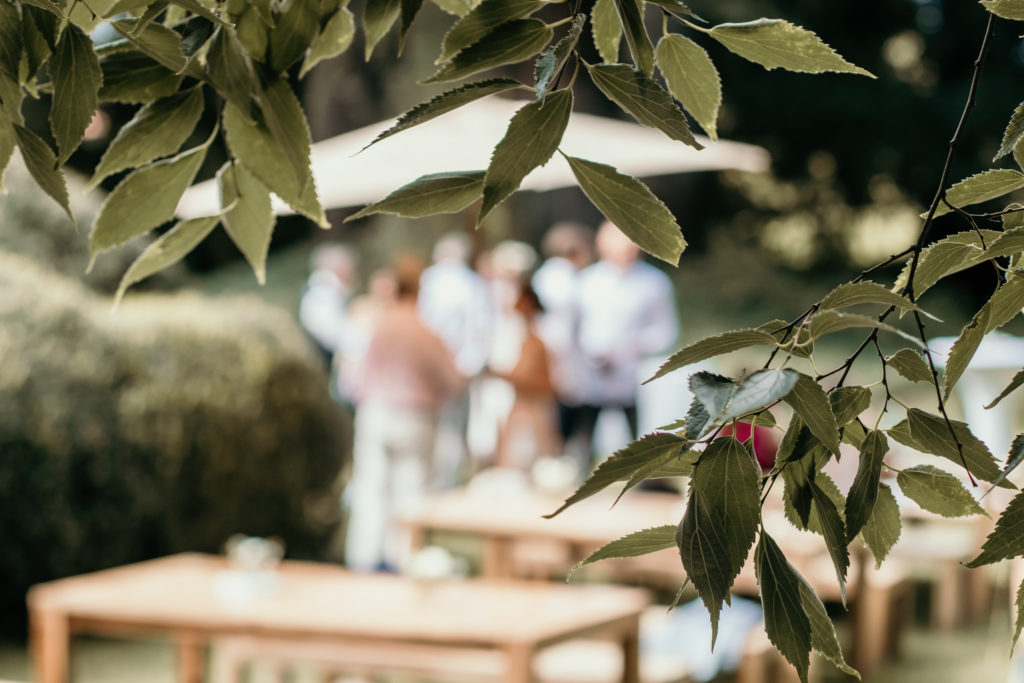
(627, 312)
(326, 294)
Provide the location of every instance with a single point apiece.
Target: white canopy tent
(462, 140)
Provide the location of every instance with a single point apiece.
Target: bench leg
(50, 643)
(190, 658)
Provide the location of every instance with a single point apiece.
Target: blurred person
(455, 303)
(626, 312)
(568, 248)
(363, 312)
(406, 376)
(325, 296)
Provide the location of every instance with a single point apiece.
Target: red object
(766, 443)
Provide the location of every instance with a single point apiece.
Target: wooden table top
(312, 599)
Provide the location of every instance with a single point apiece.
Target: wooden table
(176, 596)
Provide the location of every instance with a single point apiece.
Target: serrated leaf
(709, 347)
(1007, 9)
(480, 21)
(1013, 133)
(782, 332)
(697, 420)
(785, 620)
(134, 78)
(333, 40)
(256, 148)
(286, 122)
(195, 32)
(459, 8)
(911, 364)
(643, 99)
(830, 321)
(1003, 306)
(632, 207)
(834, 533)
(675, 6)
(884, 527)
(10, 39)
(410, 8)
(606, 29)
(167, 250)
(860, 503)
(39, 32)
(757, 391)
(429, 195)
(724, 488)
(811, 403)
(713, 391)
(145, 198)
(798, 501)
(981, 187)
(42, 166)
(250, 220)
(509, 43)
(931, 435)
(551, 61)
(632, 545)
(77, 77)
(230, 69)
(640, 48)
(823, 632)
(1010, 243)
(864, 292)
(644, 454)
(937, 491)
(157, 129)
(448, 101)
(678, 466)
(198, 8)
(378, 17)
(776, 43)
(7, 145)
(294, 29)
(947, 256)
(692, 79)
(1014, 384)
(156, 41)
(1007, 539)
(1014, 219)
(849, 402)
(253, 33)
(1013, 459)
(533, 136)
(854, 434)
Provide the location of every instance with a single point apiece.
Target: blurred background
(200, 408)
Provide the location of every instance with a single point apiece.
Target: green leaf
(1015, 218)
(294, 29)
(1007, 539)
(42, 166)
(726, 401)
(937, 491)
(776, 43)
(911, 364)
(674, 6)
(643, 99)
(7, 145)
(606, 29)
(230, 69)
(39, 32)
(1007, 9)
(156, 41)
(823, 632)
(551, 61)
(709, 347)
(631, 16)
(248, 217)
(145, 198)
(980, 188)
(1013, 459)
(1010, 243)
(860, 503)
(1019, 625)
(646, 454)
(76, 75)
(1014, 384)
(259, 151)
(849, 402)
(157, 129)
(332, 40)
(167, 250)
(854, 434)
(509, 43)
(632, 545)
(697, 419)
(134, 78)
(429, 195)
(10, 39)
(1014, 131)
(830, 321)
(678, 466)
(884, 527)
(692, 79)
(287, 124)
(252, 32)
(864, 292)
(198, 8)
(724, 500)
(195, 33)
(378, 17)
(834, 533)
(631, 206)
(931, 435)
(459, 8)
(782, 332)
(448, 101)
(532, 137)
(785, 620)
(410, 8)
(947, 256)
(1003, 306)
(812, 405)
(480, 21)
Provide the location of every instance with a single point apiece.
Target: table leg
(50, 643)
(497, 560)
(520, 663)
(190, 657)
(631, 653)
